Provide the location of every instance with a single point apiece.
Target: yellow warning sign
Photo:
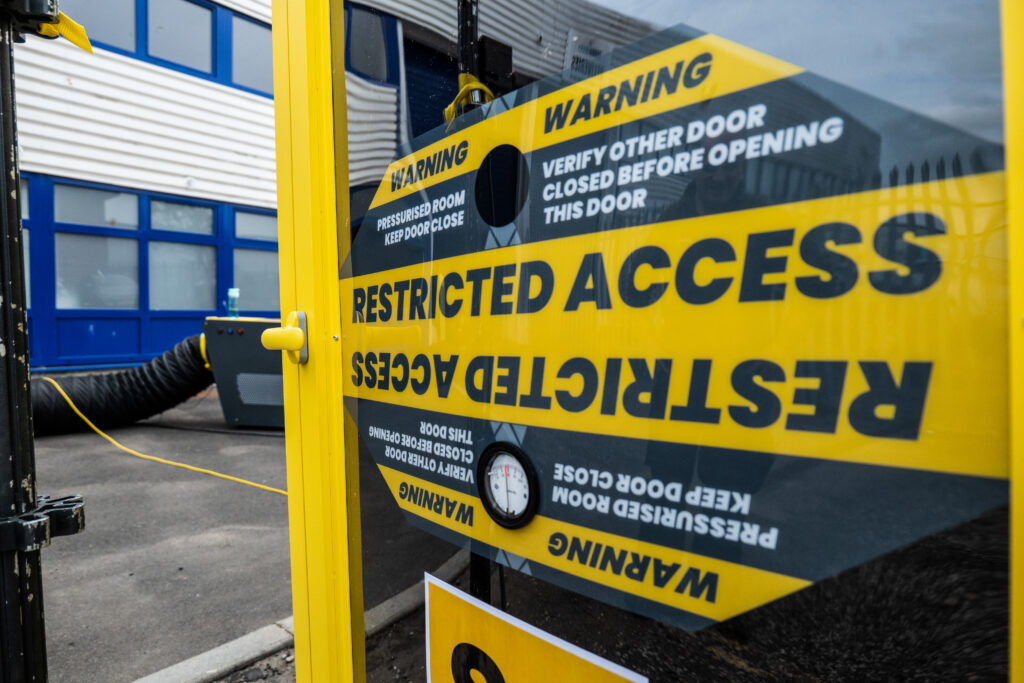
(468, 640)
(687, 328)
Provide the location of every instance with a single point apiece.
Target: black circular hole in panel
(502, 184)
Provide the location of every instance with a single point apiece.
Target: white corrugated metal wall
(117, 120)
(113, 119)
(537, 30)
(129, 123)
(257, 9)
(372, 128)
(125, 122)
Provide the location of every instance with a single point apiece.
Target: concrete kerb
(229, 657)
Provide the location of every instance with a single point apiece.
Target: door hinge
(51, 517)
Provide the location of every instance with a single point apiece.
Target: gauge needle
(508, 498)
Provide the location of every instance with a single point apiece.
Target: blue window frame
(204, 47)
(141, 270)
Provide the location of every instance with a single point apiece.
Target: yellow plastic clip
(468, 83)
(202, 352)
(70, 29)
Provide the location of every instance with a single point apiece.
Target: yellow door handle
(291, 338)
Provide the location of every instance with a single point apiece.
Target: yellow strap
(467, 84)
(153, 458)
(70, 29)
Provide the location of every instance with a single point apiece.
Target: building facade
(147, 176)
(148, 167)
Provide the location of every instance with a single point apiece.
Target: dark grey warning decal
(716, 502)
(687, 333)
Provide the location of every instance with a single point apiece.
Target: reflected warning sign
(686, 335)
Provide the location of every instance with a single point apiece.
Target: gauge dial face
(508, 485)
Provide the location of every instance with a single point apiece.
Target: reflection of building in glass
(802, 147)
(879, 146)
(545, 38)
(846, 165)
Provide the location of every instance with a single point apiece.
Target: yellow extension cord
(154, 458)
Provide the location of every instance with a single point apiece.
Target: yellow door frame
(1013, 86)
(323, 505)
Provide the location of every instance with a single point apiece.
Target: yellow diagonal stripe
(736, 588)
(733, 68)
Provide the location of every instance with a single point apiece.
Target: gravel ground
(936, 610)
(279, 668)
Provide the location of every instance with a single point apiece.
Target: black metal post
(27, 520)
(480, 577)
(479, 565)
(469, 60)
(22, 642)
(467, 21)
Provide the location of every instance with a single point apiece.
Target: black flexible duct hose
(121, 398)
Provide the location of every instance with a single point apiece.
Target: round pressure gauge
(508, 485)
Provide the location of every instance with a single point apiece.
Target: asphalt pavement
(173, 563)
